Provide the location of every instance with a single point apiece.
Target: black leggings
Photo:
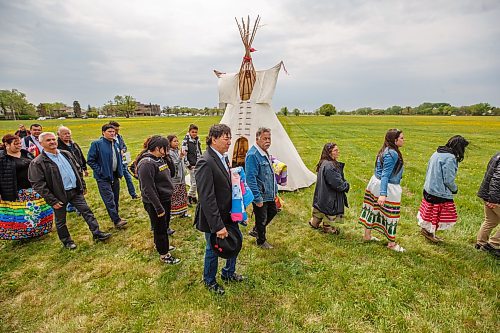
(160, 226)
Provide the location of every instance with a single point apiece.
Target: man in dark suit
(213, 211)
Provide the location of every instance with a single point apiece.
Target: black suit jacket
(214, 193)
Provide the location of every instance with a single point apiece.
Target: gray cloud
(352, 54)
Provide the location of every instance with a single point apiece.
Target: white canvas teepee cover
(245, 117)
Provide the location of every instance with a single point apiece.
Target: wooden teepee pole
(247, 75)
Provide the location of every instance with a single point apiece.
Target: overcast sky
(348, 53)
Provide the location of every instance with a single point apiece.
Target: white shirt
(222, 158)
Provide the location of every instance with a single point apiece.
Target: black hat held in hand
(230, 246)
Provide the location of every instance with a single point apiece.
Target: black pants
(78, 201)
(263, 216)
(160, 226)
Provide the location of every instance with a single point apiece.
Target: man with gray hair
(54, 174)
(65, 142)
(262, 183)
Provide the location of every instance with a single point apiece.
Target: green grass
(310, 282)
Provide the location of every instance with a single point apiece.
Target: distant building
(142, 110)
(66, 111)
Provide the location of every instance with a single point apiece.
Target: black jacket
(490, 187)
(214, 193)
(46, 179)
(8, 178)
(331, 188)
(75, 150)
(155, 181)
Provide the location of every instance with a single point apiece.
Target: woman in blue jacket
(381, 205)
(437, 210)
(330, 192)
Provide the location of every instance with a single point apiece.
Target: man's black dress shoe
(235, 277)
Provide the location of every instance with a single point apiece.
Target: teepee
(247, 98)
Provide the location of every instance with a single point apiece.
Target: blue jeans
(211, 263)
(128, 180)
(110, 194)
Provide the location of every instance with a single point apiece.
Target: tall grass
(310, 282)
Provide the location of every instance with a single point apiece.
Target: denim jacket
(386, 170)
(260, 176)
(440, 177)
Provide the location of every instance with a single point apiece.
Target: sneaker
(233, 278)
(70, 245)
(253, 233)
(170, 232)
(265, 246)
(171, 248)
(168, 259)
(101, 236)
(121, 224)
(215, 288)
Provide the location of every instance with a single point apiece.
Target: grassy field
(310, 282)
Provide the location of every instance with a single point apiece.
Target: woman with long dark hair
(437, 210)
(156, 190)
(382, 200)
(330, 192)
(23, 213)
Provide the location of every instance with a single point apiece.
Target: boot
(328, 229)
(314, 223)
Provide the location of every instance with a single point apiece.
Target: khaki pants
(192, 185)
(319, 216)
(491, 220)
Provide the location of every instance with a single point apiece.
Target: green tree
(296, 112)
(166, 110)
(125, 104)
(327, 110)
(13, 101)
(284, 111)
(77, 109)
(394, 110)
(109, 109)
(480, 109)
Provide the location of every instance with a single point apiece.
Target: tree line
(15, 105)
(427, 109)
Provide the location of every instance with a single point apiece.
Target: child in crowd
(191, 149)
(179, 196)
(437, 210)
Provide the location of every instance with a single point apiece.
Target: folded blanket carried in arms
(280, 171)
(241, 195)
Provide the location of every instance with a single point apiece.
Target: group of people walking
(382, 198)
(53, 168)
